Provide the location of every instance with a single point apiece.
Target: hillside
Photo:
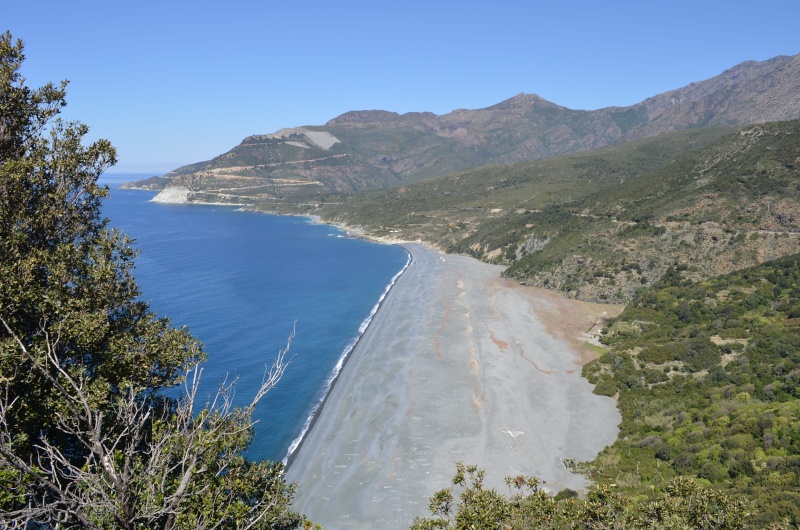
(706, 377)
(599, 225)
(365, 150)
(729, 206)
(448, 210)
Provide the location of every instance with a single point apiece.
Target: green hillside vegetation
(467, 197)
(729, 206)
(602, 224)
(706, 375)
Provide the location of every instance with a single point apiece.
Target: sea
(243, 283)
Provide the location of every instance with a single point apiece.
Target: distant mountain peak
(526, 102)
(364, 116)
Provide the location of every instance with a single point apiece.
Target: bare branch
(170, 450)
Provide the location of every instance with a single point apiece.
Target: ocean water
(242, 282)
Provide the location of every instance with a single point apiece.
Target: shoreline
(297, 443)
(179, 196)
(361, 463)
(458, 365)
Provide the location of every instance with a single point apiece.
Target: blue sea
(242, 282)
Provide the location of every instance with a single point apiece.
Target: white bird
(513, 434)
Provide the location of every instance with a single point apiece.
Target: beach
(458, 364)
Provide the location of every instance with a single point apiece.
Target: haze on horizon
(172, 84)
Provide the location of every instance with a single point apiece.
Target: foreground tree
(87, 439)
(684, 505)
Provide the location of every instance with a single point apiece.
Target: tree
(87, 437)
(684, 504)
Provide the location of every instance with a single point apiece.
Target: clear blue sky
(171, 83)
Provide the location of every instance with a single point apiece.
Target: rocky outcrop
(172, 196)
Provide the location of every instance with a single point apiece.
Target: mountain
(602, 224)
(363, 150)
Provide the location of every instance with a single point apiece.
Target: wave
(340, 364)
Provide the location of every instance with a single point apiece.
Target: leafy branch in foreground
(684, 504)
(158, 464)
(88, 438)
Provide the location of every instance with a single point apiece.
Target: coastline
(424, 385)
(458, 365)
(297, 443)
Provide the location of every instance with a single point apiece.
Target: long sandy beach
(457, 365)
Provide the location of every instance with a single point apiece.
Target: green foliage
(683, 504)
(708, 379)
(87, 439)
(429, 208)
(600, 224)
(660, 215)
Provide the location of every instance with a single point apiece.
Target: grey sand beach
(457, 365)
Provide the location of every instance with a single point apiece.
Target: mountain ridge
(373, 149)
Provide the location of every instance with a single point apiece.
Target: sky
(171, 83)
